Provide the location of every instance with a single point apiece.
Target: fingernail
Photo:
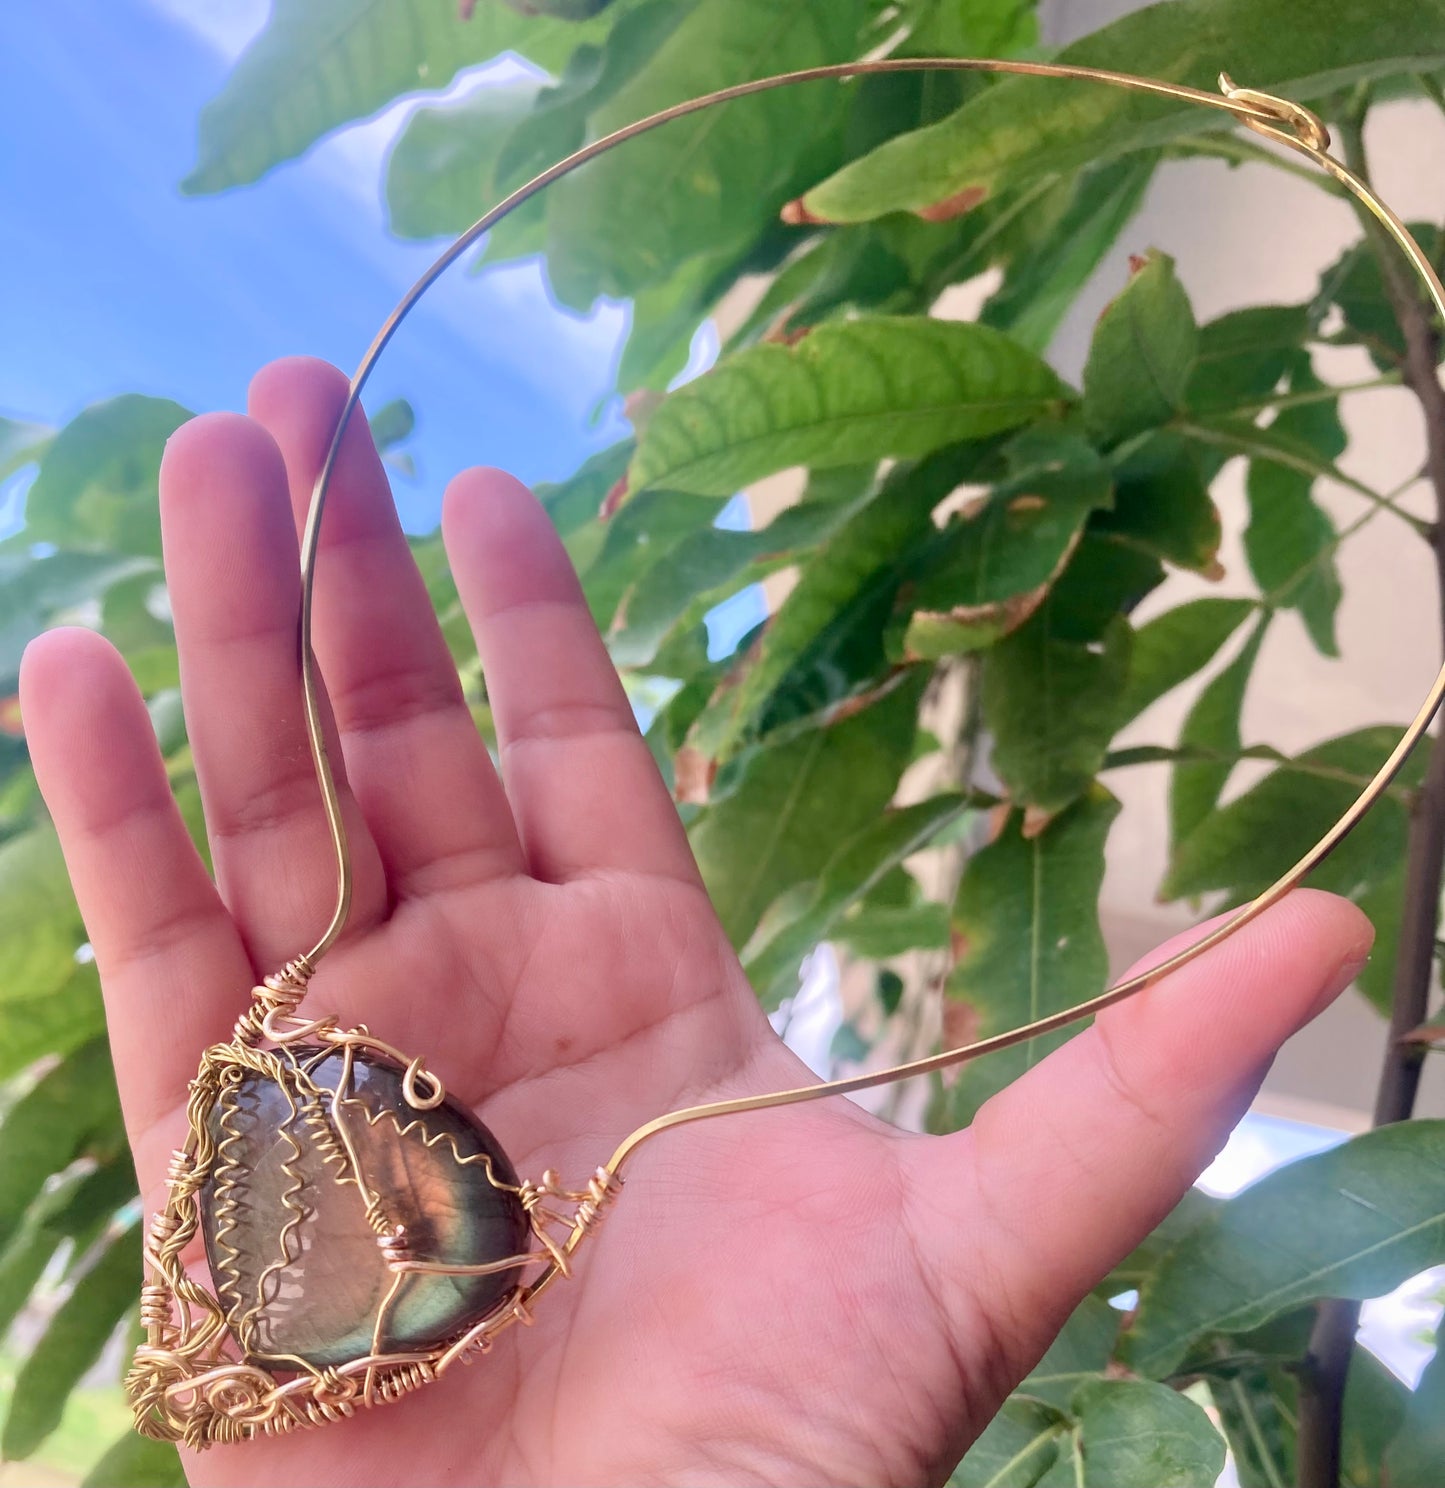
(1349, 968)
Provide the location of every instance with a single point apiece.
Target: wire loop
(1307, 128)
(1282, 120)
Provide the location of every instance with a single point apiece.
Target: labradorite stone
(324, 1278)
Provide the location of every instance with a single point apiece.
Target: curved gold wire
(1286, 123)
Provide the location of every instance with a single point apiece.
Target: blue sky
(117, 283)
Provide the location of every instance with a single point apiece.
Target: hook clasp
(1276, 117)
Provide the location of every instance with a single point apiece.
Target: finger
(1073, 1164)
(232, 571)
(416, 762)
(585, 791)
(172, 966)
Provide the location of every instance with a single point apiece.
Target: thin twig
(1326, 394)
(1327, 1364)
(1236, 150)
(1156, 754)
(1254, 443)
(1276, 597)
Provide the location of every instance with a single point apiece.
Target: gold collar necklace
(356, 1120)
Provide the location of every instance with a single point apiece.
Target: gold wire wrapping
(191, 1381)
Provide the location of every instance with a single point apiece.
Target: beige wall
(1248, 236)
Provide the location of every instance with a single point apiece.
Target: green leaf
(53, 1020)
(136, 1461)
(665, 318)
(76, 1207)
(1027, 916)
(134, 616)
(1254, 1381)
(1136, 1434)
(1418, 1449)
(711, 180)
(1107, 576)
(772, 959)
(21, 444)
(985, 28)
(577, 500)
(1173, 646)
(70, 1112)
(1256, 1414)
(323, 63)
(24, 1259)
(1079, 1353)
(440, 175)
(71, 1343)
(1134, 1269)
(1354, 285)
(1212, 725)
(1269, 444)
(457, 160)
(96, 488)
(1041, 284)
(863, 390)
(1243, 355)
(795, 803)
(988, 570)
(703, 569)
(1243, 847)
(1142, 354)
(1016, 1448)
(1053, 705)
(36, 592)
(1376, 1405)
(638, 538)
(847, 590)
(1162, 505)
(877, 932)
(40, 927)
(1355, 1221)
(1383, 901)
(855, 269)
(1290, 541)
(1027, 127)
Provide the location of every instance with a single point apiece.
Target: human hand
(794, 1296)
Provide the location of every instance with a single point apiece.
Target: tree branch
(1327, 1364)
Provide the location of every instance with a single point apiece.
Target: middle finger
(419, 767)
(232, 572)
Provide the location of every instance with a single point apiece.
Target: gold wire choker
(350, 1113)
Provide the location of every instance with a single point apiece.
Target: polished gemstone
(293, 1258)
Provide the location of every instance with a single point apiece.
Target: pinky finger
(170, 960)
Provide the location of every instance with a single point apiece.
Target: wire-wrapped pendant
(363, 1233)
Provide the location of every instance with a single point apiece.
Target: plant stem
(1237, 150)
(1325, 394)
(1327, 1364)
(1154, 754)
(1281, 592)
(1253, 442)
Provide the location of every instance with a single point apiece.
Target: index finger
(172, 967)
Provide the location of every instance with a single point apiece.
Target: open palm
(799, 1296)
